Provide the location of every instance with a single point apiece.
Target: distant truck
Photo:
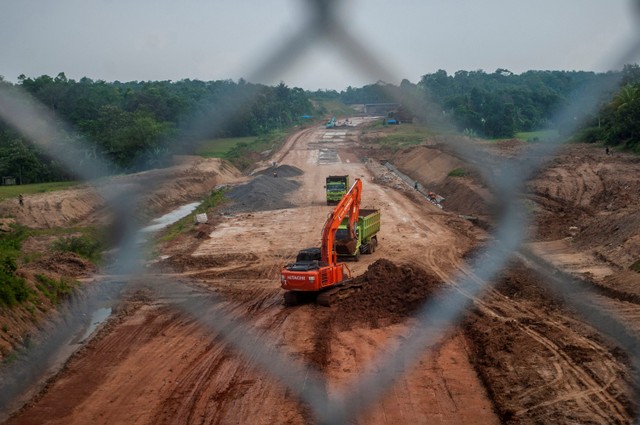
(367, 235)
(336, 187)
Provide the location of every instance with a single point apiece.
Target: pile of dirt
(185, 261)
(390, 293)
(282, 171)
(263, 193)
(66, 264)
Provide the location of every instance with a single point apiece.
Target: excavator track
(337, 293)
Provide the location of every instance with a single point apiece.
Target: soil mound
(183, 262)
(263, 193)
(64, 264)
(390, 293)
(283, 171)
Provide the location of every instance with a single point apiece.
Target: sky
(143, 40)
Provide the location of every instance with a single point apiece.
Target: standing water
(170, 218)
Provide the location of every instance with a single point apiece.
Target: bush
(13, 289)
(85, 246)
(590, 135)
(458, 172)
(54, 289)
(214, 199)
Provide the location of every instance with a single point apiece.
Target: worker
(607, 150)
(275, 173)
(415, 185)
(21, 200)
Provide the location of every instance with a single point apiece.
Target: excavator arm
(349, 206)
(327, 277)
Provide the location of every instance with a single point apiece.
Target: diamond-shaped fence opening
(506, 179)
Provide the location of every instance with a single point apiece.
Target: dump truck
(336, 187)
(366, 241)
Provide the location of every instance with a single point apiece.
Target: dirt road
(521, 356)
(156, 365)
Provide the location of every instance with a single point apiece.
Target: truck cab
(336, 187)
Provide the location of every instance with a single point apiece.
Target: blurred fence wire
(506, 178)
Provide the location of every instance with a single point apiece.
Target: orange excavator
(316, 272)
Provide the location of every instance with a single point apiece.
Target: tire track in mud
(590, 388)
(218, 384)
(588, 385)
(592, 370)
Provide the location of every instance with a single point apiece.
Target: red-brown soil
(522, 355)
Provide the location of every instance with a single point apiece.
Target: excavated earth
(521, 354)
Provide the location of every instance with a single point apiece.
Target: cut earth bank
(153, 363)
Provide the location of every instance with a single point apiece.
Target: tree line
(133, 126)
(602, 107)
(617, 122)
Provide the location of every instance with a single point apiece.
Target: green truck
(367, 236)
(336, 187)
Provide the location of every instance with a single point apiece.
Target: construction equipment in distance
(317, 272)
(331, 123)
(336, 187)
(367, 229)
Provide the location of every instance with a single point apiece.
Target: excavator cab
(309, 254)
(307, 259)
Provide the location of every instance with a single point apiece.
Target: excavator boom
(314, 271)
(349, 206)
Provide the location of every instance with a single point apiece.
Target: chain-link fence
(506, 179)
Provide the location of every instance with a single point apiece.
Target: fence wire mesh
(506, 178)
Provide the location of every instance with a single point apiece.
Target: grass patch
(219, 148)
(537, 136)
(334, 107)
(215, 199)
(457, 172)
(8, 192)
(88, 246)
(10, 357)
(242, 152)
(244, 155)
(13, 289)
(55, 289)
(403, 135)
(635, 266)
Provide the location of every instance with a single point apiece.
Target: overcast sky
(129, 40)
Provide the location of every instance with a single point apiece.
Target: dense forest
(134, 125)
(604, 107)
